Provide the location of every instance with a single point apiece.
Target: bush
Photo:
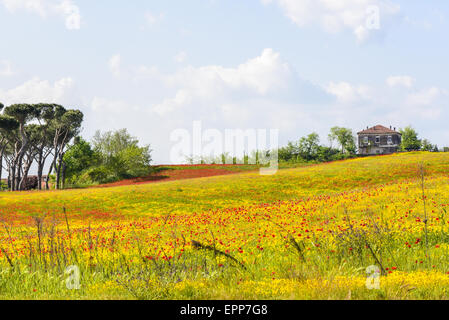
(100, 174)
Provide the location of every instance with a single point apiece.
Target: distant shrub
(100, 174)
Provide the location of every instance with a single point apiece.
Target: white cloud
(37, 91)
(6, 68)
(348, 93)
(404, 81)
(71, 13)
(37, 6)
(63, 8)
(182, 98)
(359, 16)
(114, 65)
(262, 92)
(261, 76)
(426, 96)
(112, 106)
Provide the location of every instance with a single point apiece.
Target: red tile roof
(378, 129)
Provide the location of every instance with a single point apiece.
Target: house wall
(372, 148)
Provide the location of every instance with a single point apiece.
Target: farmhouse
(379, 140)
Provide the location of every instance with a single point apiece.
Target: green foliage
(345, 139)
(121, 155)
(8, 124)
(289, 153)
(327, 154)
(21, 112)
(115, 155)
(427, 146)
(309, 146)
(78, 158)
(410, 141)
(135, 161)
(308, 149)
(94, 175)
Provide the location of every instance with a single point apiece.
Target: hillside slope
(196, 195)
(306, 233)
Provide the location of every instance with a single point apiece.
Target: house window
(378, 139)
(390, 140)
(365, 140)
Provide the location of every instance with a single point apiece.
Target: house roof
(378, 130)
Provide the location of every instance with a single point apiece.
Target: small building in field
(379, 140)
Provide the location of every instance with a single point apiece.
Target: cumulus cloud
(66, 9)
(396, 107)
(260, 76)
(426, 96)
(360, 16)
(37, 90)
(262, 92)
(400, 81)
(349, 93)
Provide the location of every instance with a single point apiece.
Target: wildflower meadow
(365, 228)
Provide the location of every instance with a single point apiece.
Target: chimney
(390, 127)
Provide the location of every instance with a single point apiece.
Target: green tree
(44, 141)
(79, 157)
(345, 139)
(289, 153)
(121, 154)
(22, 113)
(326, 154)
(427, 146)
(410, 141)
(308, 146)
(7, 125)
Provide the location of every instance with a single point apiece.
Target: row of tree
(32, 134)
(40, 136)
(309, 148)
(411, 141)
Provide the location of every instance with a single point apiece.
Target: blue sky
(295, 65)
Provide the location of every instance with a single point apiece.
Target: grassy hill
(303, 233)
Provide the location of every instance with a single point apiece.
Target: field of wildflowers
(304, 233)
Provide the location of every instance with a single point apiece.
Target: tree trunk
(59, 171)
(26, 169)
(1, 167)
(40, 169)
(39, 177)
(64, 167)
(19, 174)
(47, 179)
(12, 176)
